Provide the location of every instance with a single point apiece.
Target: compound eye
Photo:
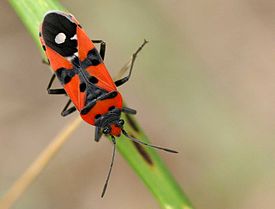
(120, 123)
(106, 130)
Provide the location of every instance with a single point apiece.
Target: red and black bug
(84, 77)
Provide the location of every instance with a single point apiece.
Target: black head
(110, 123)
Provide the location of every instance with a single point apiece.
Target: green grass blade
(147, 164)
(144, 160)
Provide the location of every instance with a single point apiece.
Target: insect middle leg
(126, 67)
(67, 111)
(102, 47)
(54, 91)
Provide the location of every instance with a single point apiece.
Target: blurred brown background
(205, 85)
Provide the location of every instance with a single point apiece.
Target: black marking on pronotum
(132, 123)
(97, 116)
(111, 95)
(82, 87)
(143, 152)
(111, 108)
(108, 118)
(93, 79)
(44, 48)
(91, 100)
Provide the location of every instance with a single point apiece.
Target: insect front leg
(126, 67)
(128, 110)
(102, 47)
(98, 133)
(54, 91)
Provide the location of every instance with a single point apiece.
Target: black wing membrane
(55, 23)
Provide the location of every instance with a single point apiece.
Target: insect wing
(92, 62)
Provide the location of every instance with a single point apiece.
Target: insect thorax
(111, 117)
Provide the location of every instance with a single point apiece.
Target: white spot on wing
(74, 37)
(60, 38)
(72, 57)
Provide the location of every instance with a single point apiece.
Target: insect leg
(87, 108)
(102, 47)
(128, 110)
(45, 62)
(98, 133)
(125, 79)
(54, 91)
(67, 111)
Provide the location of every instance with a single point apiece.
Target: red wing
(85, 45)
(61, 65)
(73, 57)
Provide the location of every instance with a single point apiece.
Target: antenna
(144, 143)
(111, 166)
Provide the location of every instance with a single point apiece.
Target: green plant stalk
(144, 160)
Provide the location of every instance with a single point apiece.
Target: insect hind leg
(126, 67)
(102, 47)
(54, 91)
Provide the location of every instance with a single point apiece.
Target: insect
(85, 79)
